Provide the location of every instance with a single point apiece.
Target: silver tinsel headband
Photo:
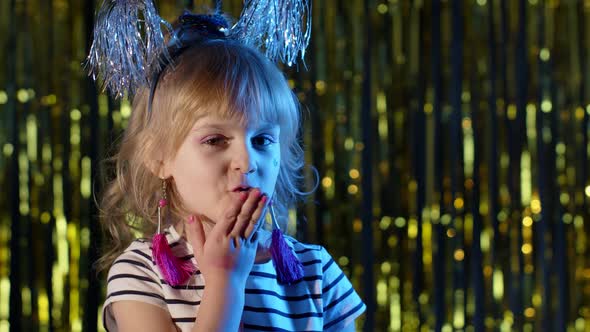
(129, 51)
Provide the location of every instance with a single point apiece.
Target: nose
(243, 160)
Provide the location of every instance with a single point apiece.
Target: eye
(215, 141)
(263, 140)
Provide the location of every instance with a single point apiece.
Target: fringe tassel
(289, 268)
(175, 270)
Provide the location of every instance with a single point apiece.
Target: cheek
(195, 177)
(274, 166)
(198, 189)
(187, 181)
(273, 160)
(276, 157)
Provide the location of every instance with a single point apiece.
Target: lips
(242, 188)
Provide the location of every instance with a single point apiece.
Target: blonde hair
(216, 76)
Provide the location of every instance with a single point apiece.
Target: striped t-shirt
(323, 301)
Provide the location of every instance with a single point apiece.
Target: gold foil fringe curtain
(452, 140)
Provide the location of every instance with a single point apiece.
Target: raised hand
(226, 254)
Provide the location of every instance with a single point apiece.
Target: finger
(236, 242)
(195, 234)
(257, 219)
(252, 241)
(225, 225)
(245, 215)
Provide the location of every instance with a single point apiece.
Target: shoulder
(305, 250)
(136, 260)
(341, 304)
(133, 276)
(311, 254)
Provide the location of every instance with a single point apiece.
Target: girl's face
(220, 158)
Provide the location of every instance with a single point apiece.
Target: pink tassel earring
(289, 268)
(174, 270)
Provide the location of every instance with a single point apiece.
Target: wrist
(225, 279)
(225, 285)
(221, 309)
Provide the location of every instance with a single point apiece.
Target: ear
(154, 159)
(158, 168)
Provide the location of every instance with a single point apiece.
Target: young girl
(211, 148)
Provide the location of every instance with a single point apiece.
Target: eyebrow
(210, 125)
(223, 126)
(267, 126)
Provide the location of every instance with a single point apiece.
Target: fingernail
(191, 219)
(263, 199)
(243, 196)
